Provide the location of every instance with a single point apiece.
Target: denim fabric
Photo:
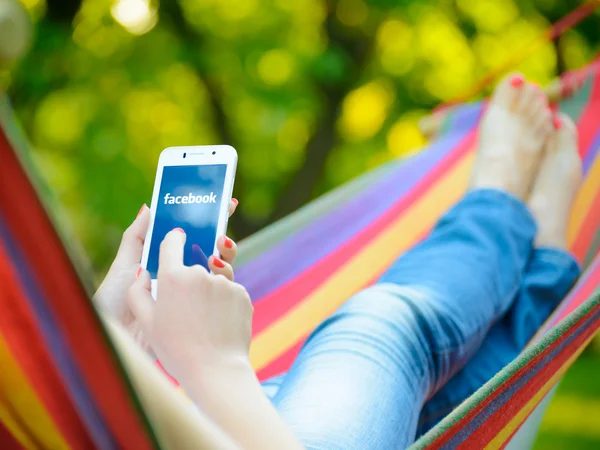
(548, 278)
(364, 374)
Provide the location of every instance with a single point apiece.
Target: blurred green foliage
(310, 92)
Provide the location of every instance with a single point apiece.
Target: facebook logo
(189, 199)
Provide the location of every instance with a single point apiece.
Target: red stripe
(583, 292)
(587, 125)
(274, 305)
(588, 229)
(282, 363)
(512, 435)
(54, 273)
(27, 347)
(7, 440)
(448, 434)
(503, 415)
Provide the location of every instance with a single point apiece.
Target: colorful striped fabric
(302, 269)
(61, 385)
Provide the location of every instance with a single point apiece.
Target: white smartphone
(192, 191)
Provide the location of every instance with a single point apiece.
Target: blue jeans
(363, 376)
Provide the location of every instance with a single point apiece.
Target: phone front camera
(214, 153)
(184, 155)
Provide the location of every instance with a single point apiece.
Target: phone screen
(189, 198)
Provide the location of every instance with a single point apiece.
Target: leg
(363, 375)
(388, 347)
(550, 275)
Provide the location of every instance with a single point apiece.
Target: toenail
(557, 123)
(517, 81)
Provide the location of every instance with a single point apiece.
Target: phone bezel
(196, 155)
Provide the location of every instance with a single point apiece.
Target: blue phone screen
(190, 198)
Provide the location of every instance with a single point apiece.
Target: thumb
(132, 244)
(141, 303)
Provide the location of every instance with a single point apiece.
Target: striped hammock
(63, 386)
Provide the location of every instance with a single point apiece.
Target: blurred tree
(310, 92)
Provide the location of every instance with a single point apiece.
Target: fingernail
(228, 242)
(517, 81)
(139, 271)
(557, 123)
(235, 201)
(179, 229)
(141, 210)
(218, 263)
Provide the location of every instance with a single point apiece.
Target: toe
(529, 100)
(508, 90)
(567, 147)
(542, 122)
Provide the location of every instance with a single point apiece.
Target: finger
(132, 244)
(140, 301)
(232, 206)
(220, 267)
(227, 249)
(170, 254)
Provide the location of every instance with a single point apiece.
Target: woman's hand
(111, 296)
(199, 322)
(200, 327)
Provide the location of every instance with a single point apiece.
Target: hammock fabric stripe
(286, 311)
(25, 225)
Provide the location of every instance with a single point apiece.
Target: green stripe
(591, 254)
(272, 235)
(574, 105)
(509, 371)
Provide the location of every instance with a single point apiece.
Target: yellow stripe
(378, 255)
(19, 405)
(583, 202)
(522, 415)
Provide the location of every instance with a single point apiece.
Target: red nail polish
(235, 201)
(517, 81)
(557, 123)
(218, 263)
(228, 242)
(139, 271)
(179, 229)
(141, 210)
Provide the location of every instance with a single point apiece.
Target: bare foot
(557, 183)
(512, 135)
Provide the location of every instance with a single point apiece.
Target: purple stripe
(479, 420)
(292, 256)
(62, 358)
(592, 152)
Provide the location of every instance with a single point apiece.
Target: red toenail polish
(228, 242)
(218, 263)
(517, 81)
(557, 123)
